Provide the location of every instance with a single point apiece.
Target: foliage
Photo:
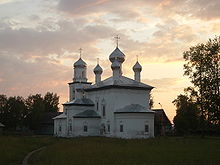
(17, 112)
(203, 99)
(112, 151)
(151, 101)
(51, 102)
(203, 68)
(186, 120)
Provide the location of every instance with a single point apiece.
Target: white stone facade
(115, 107)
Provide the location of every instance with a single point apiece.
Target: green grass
(107, 151)
(14, 148)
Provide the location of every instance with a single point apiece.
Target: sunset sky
(40, 41)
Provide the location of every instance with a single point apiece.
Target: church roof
(137, 67)
(82, 101)
(87, 114)
(134, 108)
(62, 116)
(117, 54)
(98, 69)
(121, 82)
(161, 116)
(80, 62)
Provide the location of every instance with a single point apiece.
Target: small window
(103, 110)
(85, 128)
(70, 125)
(146, 129)
(60, 128)
(108, 127)
(121, 128)
(97, 105)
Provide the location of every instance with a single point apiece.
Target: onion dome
(137, 67)
(117, 54)
(80, 63)
(98, 69)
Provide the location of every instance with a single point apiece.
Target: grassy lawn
(14, 148)
(107, 151)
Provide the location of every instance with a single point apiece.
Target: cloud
(202, 9)
(29, 42)
(19, 77)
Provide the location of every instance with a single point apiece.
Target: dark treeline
(198, 110)
(20, 114)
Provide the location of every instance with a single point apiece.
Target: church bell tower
(79, 77)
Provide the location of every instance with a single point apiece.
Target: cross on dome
(80, 52)
(117, 39)
(97, 61)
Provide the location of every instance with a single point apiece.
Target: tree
(51, 102)
(12, 111)
(203, 68)
(3, 103)
(151, 101)
(187, 115)
(35, 106)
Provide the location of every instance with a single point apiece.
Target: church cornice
(75, 82)
(118, 87)
(132, 112)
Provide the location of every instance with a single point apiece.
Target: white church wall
(60, 127)
(134, 125)
(116, 99)
(92, 124)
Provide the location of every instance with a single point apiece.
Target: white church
(115, 107)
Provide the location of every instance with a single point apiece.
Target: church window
(97, 105)
(60, 128)
(103, 110)
(121, 128)
(85, 128)
(84, 95)
(108, 127)
(83, 74)
(70, 125)
(146, 128)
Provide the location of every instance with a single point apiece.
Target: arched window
(70, 125)
(85, 127)
(59, 127)
(108, 126)
(83, 74)
(97, 103)
(146, 127)
(121, 127)
(103, 108)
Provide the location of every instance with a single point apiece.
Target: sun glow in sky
(39, 42)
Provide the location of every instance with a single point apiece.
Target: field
(14, 148)
(111, 151)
